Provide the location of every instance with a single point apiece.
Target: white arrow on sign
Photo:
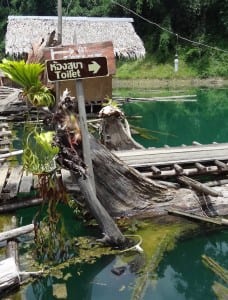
(94, 67)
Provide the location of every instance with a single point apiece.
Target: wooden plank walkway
(16, 183)
(174, 155)
(8, 96)
(175, 161)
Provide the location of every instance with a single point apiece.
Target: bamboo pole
(13, 233)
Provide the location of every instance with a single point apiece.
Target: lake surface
(181, 275)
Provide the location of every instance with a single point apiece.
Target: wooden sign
(72, 69)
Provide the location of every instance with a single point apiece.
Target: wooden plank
(4, 150)
(196, 217)
(171, 150)
(4, 125)
(5, 133)
(5, 142)
(173, 155)
(26, 182)
(13, 181)
(3, 175)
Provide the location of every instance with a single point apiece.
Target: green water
(175, 123)
(181, 274)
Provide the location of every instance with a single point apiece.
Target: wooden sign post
(77, 69)
(84, 132)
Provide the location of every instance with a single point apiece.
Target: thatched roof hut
(22, 31)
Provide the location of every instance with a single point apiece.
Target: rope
(167, 30)
(135, 247)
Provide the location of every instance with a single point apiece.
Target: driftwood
(115, 131)
(68, 139)
(123, 191)
(36, 54)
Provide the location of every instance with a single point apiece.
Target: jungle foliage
(202, 21)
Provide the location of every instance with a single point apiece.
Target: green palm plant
(27, 75)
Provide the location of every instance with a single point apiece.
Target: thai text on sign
(69, 69)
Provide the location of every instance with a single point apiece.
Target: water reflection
(174, 123)
(87, 282)
(182, 274)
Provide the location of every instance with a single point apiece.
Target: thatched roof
(22, 31)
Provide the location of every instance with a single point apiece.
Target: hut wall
(95, 89)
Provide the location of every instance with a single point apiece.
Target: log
(8, 207)
(70, 155)
(200, 167)
(114, 135)
(178, 169)
(200, 187)
(155, 170)
(112, 234)
(13, 233)
(220, 164)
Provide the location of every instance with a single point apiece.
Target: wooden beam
(178, 169)
(196, 217)
(220, 164)
(155, 170)
(198, 186)
(26, 183)
(200, 167)
(13, 181)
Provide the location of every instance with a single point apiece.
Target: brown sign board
(88, 50)
(72, 69)
(96, 89)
